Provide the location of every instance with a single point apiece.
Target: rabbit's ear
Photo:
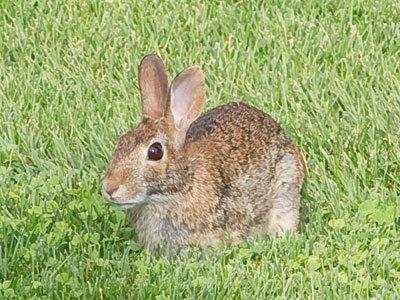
(153, 85)
(187, 96)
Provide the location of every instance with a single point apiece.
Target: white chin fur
(132, 202)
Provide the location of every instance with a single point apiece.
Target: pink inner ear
(187, 97)
(180, 104)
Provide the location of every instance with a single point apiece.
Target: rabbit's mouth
(128, 203)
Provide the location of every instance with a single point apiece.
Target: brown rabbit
(227, 175)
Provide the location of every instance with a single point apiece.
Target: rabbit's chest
(155, 229)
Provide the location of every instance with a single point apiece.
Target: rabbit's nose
(110, 187)
(110, 191)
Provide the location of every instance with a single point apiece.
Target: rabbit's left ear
(187, 96)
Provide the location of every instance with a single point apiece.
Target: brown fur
(234, 175)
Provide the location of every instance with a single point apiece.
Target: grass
(328, 71)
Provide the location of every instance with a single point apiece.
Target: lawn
(327, 71)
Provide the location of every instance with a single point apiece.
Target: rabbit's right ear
(154, 86)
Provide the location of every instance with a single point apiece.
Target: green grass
(327, 71)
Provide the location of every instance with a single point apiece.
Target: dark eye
(155, 152)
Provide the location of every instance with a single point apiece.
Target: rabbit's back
(257, 170)
(237, 138)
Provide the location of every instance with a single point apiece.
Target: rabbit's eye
(155, 152)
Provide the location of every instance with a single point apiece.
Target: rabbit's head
(148, 163)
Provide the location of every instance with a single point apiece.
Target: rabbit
(187, 179)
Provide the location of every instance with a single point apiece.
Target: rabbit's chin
(131, 202)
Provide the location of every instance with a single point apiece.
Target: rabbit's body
(231, 174)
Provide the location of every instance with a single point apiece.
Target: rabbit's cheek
(154, 172)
